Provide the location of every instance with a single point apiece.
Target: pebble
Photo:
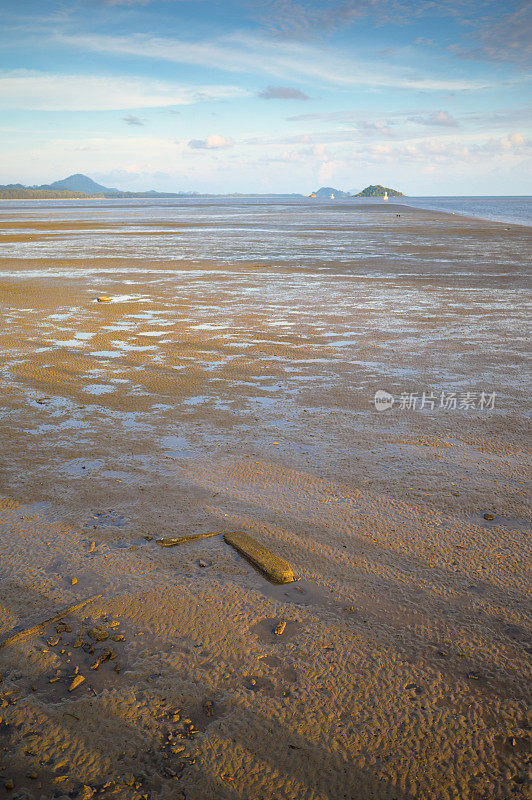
(279, 629)
(74, 581)
(104, 299)
(76, 682)
(489, 515)
(98, 634)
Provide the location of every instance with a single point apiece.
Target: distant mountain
(82, 187)
(379, 191)
(79, 183)
(327, 191)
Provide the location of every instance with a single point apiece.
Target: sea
(514, 210)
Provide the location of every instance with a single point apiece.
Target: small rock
(76, 682)
(118, 638)
(149, 538)
(9, 785)
(98, 634)
(489, 515)
(104, 299)
(73, 581)
(279, 629)
(63, 628)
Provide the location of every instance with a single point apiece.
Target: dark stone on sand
(98, 634)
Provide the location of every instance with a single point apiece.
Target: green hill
(379, 191)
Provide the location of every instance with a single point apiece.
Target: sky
(431, 97)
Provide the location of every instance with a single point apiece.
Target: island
(379, 191)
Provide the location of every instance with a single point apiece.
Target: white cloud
(212, 142)
(41, 91)
(439, 118)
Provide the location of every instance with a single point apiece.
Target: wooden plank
(18, 633)
(184, 539)
(275, 568)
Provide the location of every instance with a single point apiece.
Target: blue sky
(272, 95)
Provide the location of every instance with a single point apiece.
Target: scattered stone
(109, 655)
(98, 634)
(76, 682)
(279, 629)
(119, 637)
(63, 628)
(489, 515)
(9, 785)
(104, 298)
(149, 538)
(73, 581)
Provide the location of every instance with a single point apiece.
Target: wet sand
(233, 390)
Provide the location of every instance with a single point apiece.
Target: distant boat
(332, 196)
(385, 196)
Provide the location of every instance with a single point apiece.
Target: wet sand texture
(228, 386)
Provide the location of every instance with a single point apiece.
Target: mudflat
(229, 386)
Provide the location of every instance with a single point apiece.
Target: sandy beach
(229, 385)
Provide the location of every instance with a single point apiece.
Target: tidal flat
(228, 385)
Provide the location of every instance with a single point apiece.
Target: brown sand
(404, 667)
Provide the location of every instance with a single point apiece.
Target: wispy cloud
(131, 120)
(282, 93)
(212, 142)
(24, 89)
(247, 54)
(506, 39)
